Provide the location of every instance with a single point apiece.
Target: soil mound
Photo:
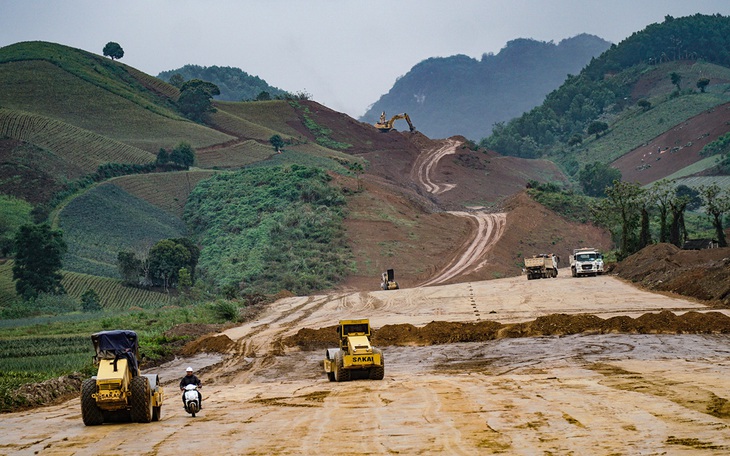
(219, 343)
(443, 332)
(700, 274)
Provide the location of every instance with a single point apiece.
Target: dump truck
(586, 261)
(541, 266)
(119, 391)
(387, 280)
(355, 357)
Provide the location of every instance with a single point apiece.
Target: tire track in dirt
(488, 229)
(426, 162)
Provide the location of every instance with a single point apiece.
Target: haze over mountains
(447, 96)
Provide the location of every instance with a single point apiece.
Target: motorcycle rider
(191, 379)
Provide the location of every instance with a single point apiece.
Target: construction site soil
(479, 360)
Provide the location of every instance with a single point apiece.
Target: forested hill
(462, 95)
(234, 83)
(652, 81)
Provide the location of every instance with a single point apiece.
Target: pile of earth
(443, 332)
(699, 274)
(51, 391)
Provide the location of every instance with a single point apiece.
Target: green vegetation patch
(570, 205)
(267, 229)
(106, 220)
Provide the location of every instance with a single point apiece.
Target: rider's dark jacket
(189, 380)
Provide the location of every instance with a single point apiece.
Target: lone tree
(113, 50)
(676, 80)
(595, 177)
(717, 203)
(194, 101)
(702, 83)
(597, 127)
(277, 142)
(39, 251)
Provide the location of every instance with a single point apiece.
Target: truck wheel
(141, 411)
(331, 376)
(572, 272)
(378, 372)
(341, 374)
(90, 412)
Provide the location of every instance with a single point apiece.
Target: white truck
(586, 261)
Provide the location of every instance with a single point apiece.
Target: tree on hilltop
(113, 50)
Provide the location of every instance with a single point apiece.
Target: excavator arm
(386, 126)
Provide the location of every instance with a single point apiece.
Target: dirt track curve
(580, 394)
(487, 227)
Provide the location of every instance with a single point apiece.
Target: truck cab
(586, 261)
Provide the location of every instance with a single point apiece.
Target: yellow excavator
(387, 125)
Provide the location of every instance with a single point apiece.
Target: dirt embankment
(699, 274)
(445, 332)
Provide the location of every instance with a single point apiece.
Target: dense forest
(234, 83)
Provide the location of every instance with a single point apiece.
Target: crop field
(157, 85)
(235, 156)
(697, 181)
(84, 148)
(112, 294)
(168, 191)
(635, 130)
(124, 116)
(239, 127)
(107, 220)
(7, 285)
(275, 114)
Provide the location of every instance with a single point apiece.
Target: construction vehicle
(385, 126)
(119, 391)
(355, 357)
(387, 281)
(586, 261)
(541, 266)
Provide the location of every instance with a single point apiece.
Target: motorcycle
(191, 398)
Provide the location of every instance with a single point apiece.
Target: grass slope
(167, 191)
(105, 220)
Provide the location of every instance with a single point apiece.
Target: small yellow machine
(119, 392)
(355, 357)
(387, 125)
(387, 280)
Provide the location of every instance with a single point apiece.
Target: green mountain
(624, 101)
(234, 83)
(459, 95)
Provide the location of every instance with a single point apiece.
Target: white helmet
(189, 369)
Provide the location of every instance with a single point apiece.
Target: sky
(344, 53)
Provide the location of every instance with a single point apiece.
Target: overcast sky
(345, 53)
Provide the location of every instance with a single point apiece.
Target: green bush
(269, 229)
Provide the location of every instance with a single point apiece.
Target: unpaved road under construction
(582, 394)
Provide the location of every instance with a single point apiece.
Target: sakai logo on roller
(362, 359)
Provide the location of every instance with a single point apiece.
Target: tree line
(627, 210)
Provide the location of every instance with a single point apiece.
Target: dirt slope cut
(700, 274)
(675, 149)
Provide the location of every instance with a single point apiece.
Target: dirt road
(582, 394)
